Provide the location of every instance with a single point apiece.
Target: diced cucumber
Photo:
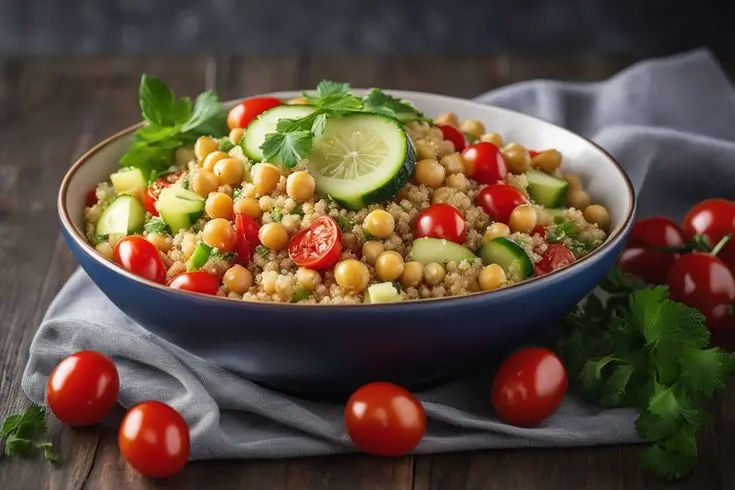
(361, 159)
(545, 189)
(199, 257)
(509, 255)
(124, 215)
(384, 292)
(179, 208)
(266, 123)
(427, 250)
(129, 181)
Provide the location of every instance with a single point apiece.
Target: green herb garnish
(22, 432)
(262, 250)
(225, 144)
(299, 295)
(217, 254)
(297, 210)
(157, 225)
(345, 224)
(100, 238)
(277, 214)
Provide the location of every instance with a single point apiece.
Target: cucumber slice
(384, 292)
(179, 208)
(266, 123)
(510, 256)
(199, 257)
(427, 250)
(546, 190)
(124, 215)
(129, 181)
(361, 159)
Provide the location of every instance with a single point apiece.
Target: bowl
(330, 350)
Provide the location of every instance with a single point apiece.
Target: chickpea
(229, 171)
(523, 218)
(594, 213)
(273, 236)
(352, 275)
(429, 173)
(517, 158)
(218, 233)
(380, 223)
(413, 274)
(204, 146)
(435, 134)
(434, 273)
(203, 182)
(236, 135)
(213, 158)
(493, 138)
(446, 147)
(300, 186)
(449, 118)
(218, 205)
(265, 177)
(371, 250)
(424, 150)
(389, 265)
(491, 277)
(577, 198)
(160, 241)
(495, 230)
(452, 163)
(298, 101)
(105, 249)
(237, 279)
(457, 181)
(574, 181)
(308, 279)
(183, 155)
(547, 161)
(248, 206)
(473, 127)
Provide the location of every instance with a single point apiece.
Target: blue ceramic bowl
(317, 350)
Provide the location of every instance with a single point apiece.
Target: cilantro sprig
(627, 345)
(23, 432)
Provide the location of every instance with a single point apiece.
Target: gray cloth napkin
(671, 122)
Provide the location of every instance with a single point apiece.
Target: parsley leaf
(225, 144)
(262, 250)
(288, 148)
(345, 224)
(19, 431)
(277, 214)
(159, 105)
(157, 225)
(379, 102)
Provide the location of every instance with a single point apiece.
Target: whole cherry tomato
(454, 135)
(83, 388)
(154, 190)
(318, 246)
(384, 419)
(154, 439)
(247, 237)
(529, 386)
(641, 256)
(243, 113)
(499, 200)
(197, 282)
(706, 283)
(555, 257)
(139, 256)
(441, 221)
(487, 160)
(713, 218)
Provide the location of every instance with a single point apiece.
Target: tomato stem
(698, 243)
(720, 245)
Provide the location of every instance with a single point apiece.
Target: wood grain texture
(53, 109)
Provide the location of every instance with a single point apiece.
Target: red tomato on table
(454, 135)
(139, 256)
(713, 218)
(441, 221)
(243, 113)
(83, 388)
(318, 246)
(555, 257)
(197, 282)
(499, 200)
(641, 258)
(487, 160)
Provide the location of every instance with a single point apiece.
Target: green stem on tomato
(717, 248)
(698, 243)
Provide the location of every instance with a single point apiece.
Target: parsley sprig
(23, 432)
(293, 139)
(627, 345)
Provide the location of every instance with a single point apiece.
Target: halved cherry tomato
(243, 113)
(441, 221)
(83, 388)
(198, 282)
(713, 218)
(529, 386)
(154, 439)
(139, 256)
(152, 193)
(641, 258)
(539, 230)
(555, 257)
(454, 135)
(91, 199)
(247, 237)
(318, 246)
(499, 200)
(384, 419)
(489, 165)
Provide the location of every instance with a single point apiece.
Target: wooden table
(53, 109)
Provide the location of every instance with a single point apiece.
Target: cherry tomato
(384, 419)
(499, 200)
(83, 388)
(247, 237)
(529, 386)
(243, 113)
(441, 221)
(706, 283)
(454, 135)
(152, 193)
(488, 162)
(91, 198)
(154, 439)
(713, 218)
(198, 282)
(318, 246)
(532, 153)
(539, 230)
(139, 256)
(641, 259)
(555, 257)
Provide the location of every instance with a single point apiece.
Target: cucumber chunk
(266, 123)
(361, 159)
(427, 250)
(384, 292)
(179, 208)
(129, 181)
(199, 257)
(124, 215)
(510, 256)
(546, 190)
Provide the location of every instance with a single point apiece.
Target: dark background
(553, 27)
